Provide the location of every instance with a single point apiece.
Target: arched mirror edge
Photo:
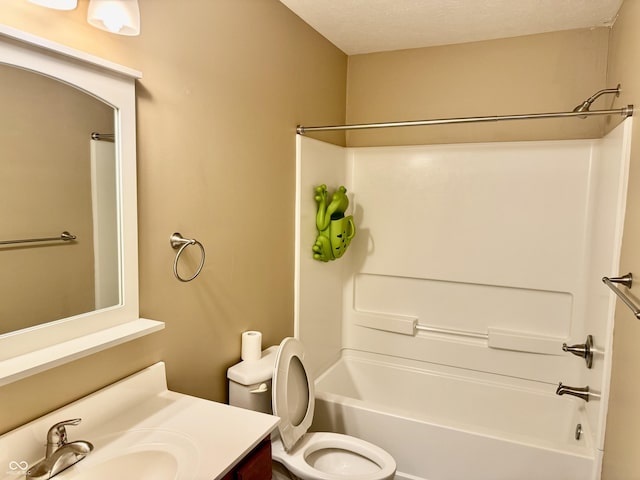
(33, 350)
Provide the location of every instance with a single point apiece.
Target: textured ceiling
(364, 26)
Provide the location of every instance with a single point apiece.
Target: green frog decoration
(335, 231)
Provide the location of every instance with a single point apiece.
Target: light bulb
(115, 16)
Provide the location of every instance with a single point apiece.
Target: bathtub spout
(580, 392)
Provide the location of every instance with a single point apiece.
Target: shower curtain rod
(624, 111)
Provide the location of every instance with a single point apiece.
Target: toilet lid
(293, 393)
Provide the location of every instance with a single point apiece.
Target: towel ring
(178, 242)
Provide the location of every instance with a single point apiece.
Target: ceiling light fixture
(57, 4)
(115, 16)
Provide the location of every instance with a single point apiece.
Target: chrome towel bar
(627, 281)
(64, 236)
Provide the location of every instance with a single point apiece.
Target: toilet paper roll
(251, 346)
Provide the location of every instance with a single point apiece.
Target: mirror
(55, 178)
(108, 90)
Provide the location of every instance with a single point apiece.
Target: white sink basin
(141, 453)
(142, 465)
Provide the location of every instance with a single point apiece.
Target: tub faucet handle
(584, 350)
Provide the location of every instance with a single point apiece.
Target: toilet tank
(250, 382)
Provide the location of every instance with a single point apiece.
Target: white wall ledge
(21, 366)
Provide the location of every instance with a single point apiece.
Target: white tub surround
(139, 416)
(479, 259)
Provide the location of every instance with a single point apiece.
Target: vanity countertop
(139, 417)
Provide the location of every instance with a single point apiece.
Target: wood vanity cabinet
(255, 466)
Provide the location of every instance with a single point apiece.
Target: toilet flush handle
(261, 388)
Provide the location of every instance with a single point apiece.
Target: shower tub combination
(442, 426)
(438, 336)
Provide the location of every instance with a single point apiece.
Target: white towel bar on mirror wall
(627, 281)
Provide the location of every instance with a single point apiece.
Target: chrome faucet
(60, 453)
(580, 392)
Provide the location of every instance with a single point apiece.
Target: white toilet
(278, 383)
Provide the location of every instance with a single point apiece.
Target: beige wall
(531, 74)
(225, 83)
(621, 461)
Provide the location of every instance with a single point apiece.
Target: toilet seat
(293, 393)
(316, 455)
(383, 465)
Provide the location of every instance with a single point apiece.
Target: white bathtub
(441, 425)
